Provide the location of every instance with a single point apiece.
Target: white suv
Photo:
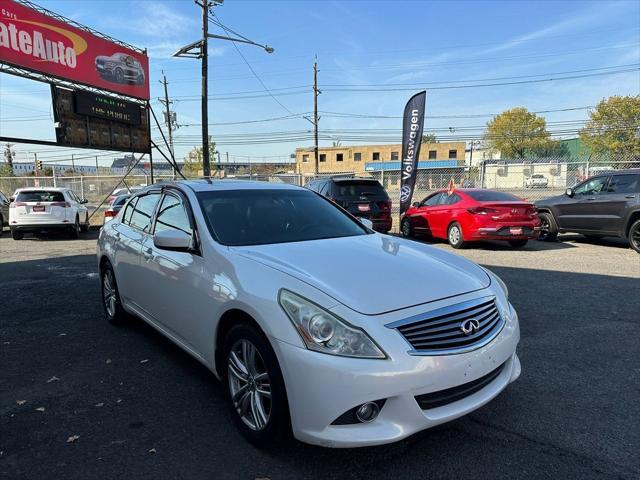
(37, 209)
(536, 181)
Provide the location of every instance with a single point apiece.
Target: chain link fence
(530, 180)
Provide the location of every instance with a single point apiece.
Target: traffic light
(38, 164)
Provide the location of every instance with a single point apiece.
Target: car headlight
(323, 332)
(499, 281)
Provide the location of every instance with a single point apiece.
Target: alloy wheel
(406, 228)
(634, 236)
(544, 228)
(109, 293)
(454, 235)
(249, 384)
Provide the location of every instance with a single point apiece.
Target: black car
(4, 211)
(361, 197)
(606, 205)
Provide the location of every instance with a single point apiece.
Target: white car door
(175, 285)
(130, 234)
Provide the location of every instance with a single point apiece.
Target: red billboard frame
(45, 43)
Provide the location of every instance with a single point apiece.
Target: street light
(199, 50)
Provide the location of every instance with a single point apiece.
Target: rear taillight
(17, 204)
(61, 204)
(109, 213)
(532, 211)
(385, 206)
(481, 210)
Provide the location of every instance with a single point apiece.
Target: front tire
(17, 234)
(111, 296)
(85, 226)
(455, 236)
(255, 387)
(634, 236)
(548, 228)
(406, 229)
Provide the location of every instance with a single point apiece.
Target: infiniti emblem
(469, 326)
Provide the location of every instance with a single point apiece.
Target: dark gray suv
(606, 205)
(4, 211)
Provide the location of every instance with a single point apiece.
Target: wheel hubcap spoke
(249, 385)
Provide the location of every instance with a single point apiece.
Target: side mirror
(569, 192)
(415, 204)
(366, 222)
(12, 199)
(84, 200)
(172, 240)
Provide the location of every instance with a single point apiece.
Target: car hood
(549, 201)
(373, 274)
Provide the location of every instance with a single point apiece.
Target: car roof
(42, 189)
(351, 179)
(221, 185)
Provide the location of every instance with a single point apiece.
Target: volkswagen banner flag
(411, 139)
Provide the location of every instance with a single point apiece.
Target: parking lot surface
(82, 399)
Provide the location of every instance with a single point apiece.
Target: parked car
(272, 288)
(536, 180)
(120, 68)
(606, 205)
(115, 207)
(361, 197)
(38, 209)
(123, 191)
(466, 214)
(4, 212)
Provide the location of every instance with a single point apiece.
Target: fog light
(367, 412)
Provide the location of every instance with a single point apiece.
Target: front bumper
(39, 227)
(529, 232)
(322, 387)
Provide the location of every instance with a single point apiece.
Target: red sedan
(468, 214)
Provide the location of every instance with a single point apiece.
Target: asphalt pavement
(81, 399)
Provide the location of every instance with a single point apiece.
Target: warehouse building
(369, 158)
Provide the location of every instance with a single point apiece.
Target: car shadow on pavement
(143, 406)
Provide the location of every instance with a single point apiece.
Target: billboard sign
(86, 120)
(109, 108)
(38, 42)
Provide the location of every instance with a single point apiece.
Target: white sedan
(315, 323)
(37, 209)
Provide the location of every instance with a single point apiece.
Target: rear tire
(260, 376)
(548, 228)
(518, 243)
(75, 230)
(634, 236)
(406, 229)
(111, 296)
(85, 226)
(17, 234)
(455, 236)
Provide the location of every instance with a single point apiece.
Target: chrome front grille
(454, 329)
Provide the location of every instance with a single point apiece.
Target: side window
(143, 211)
(623, 184)
(591, 187)
(452, 199)
(172, 216)
(324, 188)
(126, 216)
(433, 200)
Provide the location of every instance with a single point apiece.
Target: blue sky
(424, 44)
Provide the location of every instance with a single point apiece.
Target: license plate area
(38, 208)
(364, 207)
(515, 230)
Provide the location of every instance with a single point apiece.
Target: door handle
(591, 198)
(630, 196)
(147, 253)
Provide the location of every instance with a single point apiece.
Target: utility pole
(206, 166)
(315, 112)
(73, 164)
(35, 164)
(168, 117)
(97, 169)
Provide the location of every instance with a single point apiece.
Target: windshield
(40, 196)
(491, 196)
(259, 217)
(357, 188)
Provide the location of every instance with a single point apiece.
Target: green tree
(6, 170)
(517, 132)
(614, 127)
(429, 138)
(193, 161)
